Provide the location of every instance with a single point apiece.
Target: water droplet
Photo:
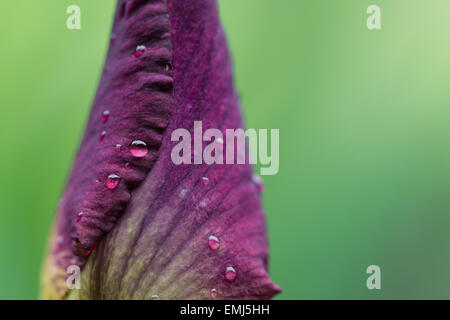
(168, 67)
(138, 149)
(213, 293)
(79, 216)
(127, 166)
(154, 297)
(205, 181)
(213, 242)
(105, 116)
(112, 181)
(139, 51)
(102, 135)
(257, 180)
(230, 274)
(118, 147)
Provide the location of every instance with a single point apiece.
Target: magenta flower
(138, 225)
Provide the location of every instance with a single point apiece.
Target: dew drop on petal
(102, 135)
(168, 67)
(230, 274)
(105, 116)
(79, 216)
(205, 181)
(112, 181)
(139, 51)
(118, 147)
(213, 293)
(213, 242)
(127, 166)
(138, 149)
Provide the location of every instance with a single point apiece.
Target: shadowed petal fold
(160, 231)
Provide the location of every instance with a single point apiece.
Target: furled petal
(155, 229)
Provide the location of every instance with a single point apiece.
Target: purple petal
(156, 229)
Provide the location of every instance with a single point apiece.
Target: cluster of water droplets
(230, 271)
(214, 245)
(137, 148)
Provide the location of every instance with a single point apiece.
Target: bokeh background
(364, 124)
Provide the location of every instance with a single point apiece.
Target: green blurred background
(364, 131)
